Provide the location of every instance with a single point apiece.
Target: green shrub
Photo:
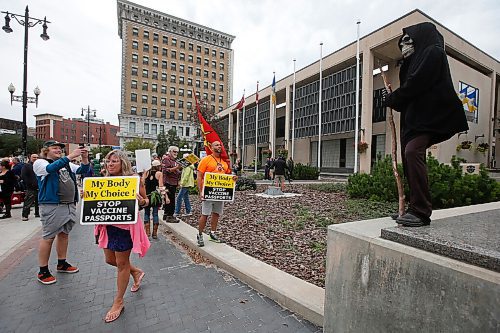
(305, 172)
(255, 176)
(243, 184)
(448, 186)
(329, 187)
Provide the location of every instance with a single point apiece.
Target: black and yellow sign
(218, 187)
(110, 200)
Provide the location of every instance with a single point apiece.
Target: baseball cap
(49, 143)
(155, 163)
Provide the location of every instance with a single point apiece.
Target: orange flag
(209, 135)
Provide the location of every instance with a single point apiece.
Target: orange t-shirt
(213, 164)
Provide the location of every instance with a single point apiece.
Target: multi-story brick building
(75, 130)
(166, 62)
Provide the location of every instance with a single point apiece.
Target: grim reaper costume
(430, 112)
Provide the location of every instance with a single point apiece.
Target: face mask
(406, 45)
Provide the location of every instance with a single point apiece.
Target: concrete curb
(299, 296)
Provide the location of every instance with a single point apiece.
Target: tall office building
(166, 61)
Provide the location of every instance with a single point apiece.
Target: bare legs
(203, 222)
(46, 247)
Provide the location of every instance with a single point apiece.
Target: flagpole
(243, 134)
(238, 132)
(319, 107)
(293, 112)
(256, 126)
(356, 124)
(273, 137)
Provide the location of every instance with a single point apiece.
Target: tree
(138, 143)
(10, 144)
(104, 150)
(168, 139)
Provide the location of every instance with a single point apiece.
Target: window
(197, 83)
(205, 84)
(145, 60)
(145, 73)
(221, 66)
(131, 127)
(187, 131)
(154, 129)
(133, 84)
(198, 72)
(214, 75)
(155, 49)
(145, 86)
(145, 47)
(190, 82)
(173, 66)
(181, 79)
(162, 127)
(155, 37)
(183, 44)
(173, 78)
(164, 77)
(163, 89)
(164, 52)
(189, 105)
(165, 40)
(198, 60)
(221, 87)
(155, 75)
(190, 93)
(154, 87)
(164, 116)
(206, 62)
(221, 99)
(181, 104)
(190, 58)
(172, 116)
(133, 97)
(134, 71)
(190, 70)
(182, 56)
(174, 41)
(181, 92)
(154, 113)
(198, 48)
(214, 53)
(172, 102)
(164, 64)
(146, 34)
(133, 110)
(154, 100)
(214, 64)
(144, 99)
(146, 128)
(190, 47)
(135, 32)
(144, 112)
(212, 86)
(205, 95)
(212, 97)
(135, 58)
(221, 77)
(172, 91)
(180, 131)
(221, 55)
(163, 101)
(135, 45)
(155, 62)
(173, 54)
(205, 73)
(207, 51)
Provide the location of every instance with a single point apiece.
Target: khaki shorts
(208, 207)
(280, 179)
(57, 218)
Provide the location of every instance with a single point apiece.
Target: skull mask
(406, 45)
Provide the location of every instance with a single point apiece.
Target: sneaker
(172, 219)
(213, 237)
(46, 278)
(199, 238)
(67, 268)
(176, 215)
(37, 215)
(24, 219)
(188, 214)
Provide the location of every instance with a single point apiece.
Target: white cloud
(81, 63)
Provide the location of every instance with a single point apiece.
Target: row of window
(154, 88)
(173, 65)
(173, 79)
(173, 55)
(154, 129)
(173, 41)
(163, 100)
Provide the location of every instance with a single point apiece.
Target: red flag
(209, 135)
(241, 103)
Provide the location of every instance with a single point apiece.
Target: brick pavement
(176, 296)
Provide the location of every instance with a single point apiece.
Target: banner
(218, 187)
(110, 200)
(188, 160)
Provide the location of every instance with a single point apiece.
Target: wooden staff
(394, 152)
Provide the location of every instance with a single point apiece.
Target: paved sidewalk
(176, 296)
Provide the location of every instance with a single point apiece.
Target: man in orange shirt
(215, 164)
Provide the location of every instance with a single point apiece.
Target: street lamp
(89, 113)
(27, 22)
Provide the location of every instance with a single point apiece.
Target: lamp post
(27, 22)
(101, 130)
(88, 113)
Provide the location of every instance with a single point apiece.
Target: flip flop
(136, 287)
(112, 316)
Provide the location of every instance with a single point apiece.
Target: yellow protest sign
(218, 187)
(110, 200)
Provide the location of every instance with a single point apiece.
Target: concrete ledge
(376, 285)
(299, 296)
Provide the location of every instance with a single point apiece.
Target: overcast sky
(81, 63)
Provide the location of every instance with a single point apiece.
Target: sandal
(112, 316)
(136, 287)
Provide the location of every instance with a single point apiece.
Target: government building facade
(166, 62)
